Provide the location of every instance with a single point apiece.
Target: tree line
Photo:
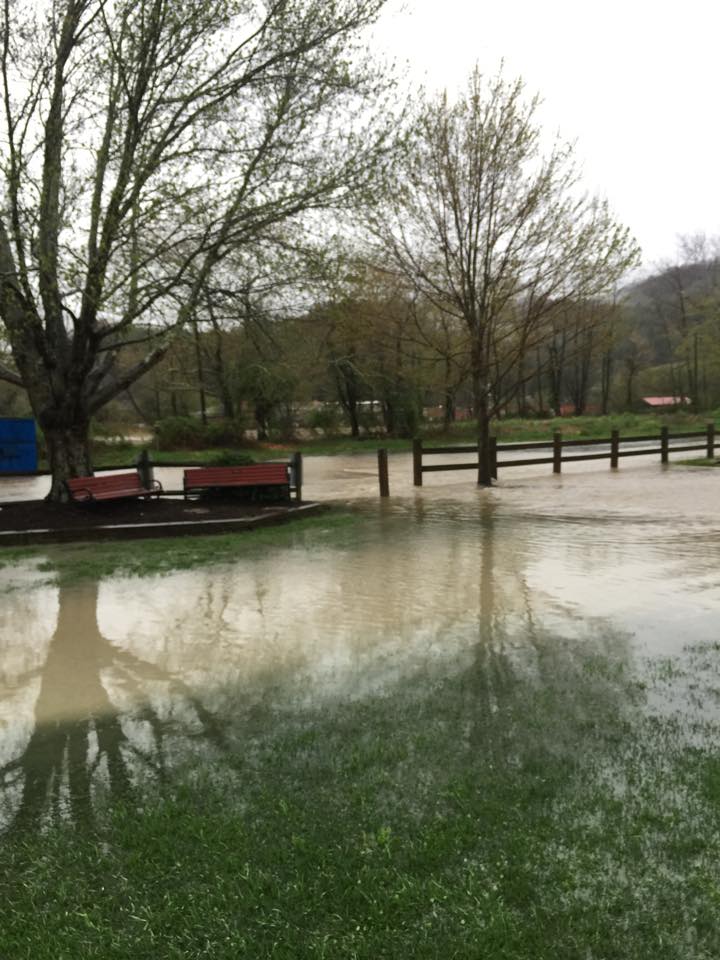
(378, 360)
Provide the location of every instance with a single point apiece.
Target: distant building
(666, 403)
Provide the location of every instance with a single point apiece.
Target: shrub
(408, 415)
(186, 433)
(229, 458)
(326, 418)
(281, 421)
(223, 433)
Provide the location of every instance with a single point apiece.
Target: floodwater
(119, 685)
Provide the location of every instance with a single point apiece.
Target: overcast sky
(634, 83)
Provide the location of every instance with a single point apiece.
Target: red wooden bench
(255, 477)
(115, 486)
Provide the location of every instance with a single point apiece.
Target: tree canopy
(496, 233)
(145, 141)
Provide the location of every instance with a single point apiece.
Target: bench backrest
(250, 475)
(106, 484)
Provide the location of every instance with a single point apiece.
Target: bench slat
(252, 475)
(120, 481)
(111, 487)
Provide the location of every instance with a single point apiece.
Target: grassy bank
(493, 812)
(701, 462)
(72, 563)
(508, 430)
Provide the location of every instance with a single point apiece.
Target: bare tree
(144, 140)
(495, 234)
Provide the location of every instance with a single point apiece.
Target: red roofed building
(666, 402)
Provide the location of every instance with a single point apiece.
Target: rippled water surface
(115, 685)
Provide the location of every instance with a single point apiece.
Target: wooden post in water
(417, 462)
(614, 449)
(557, 451)
(296, 469)
(664, 445)
(493, 458)
(711, 441)
(383, 473)
(145, 469)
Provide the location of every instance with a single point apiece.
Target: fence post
(145, 469)
(296, 469)
(417, 462)
(664, 445)
(711, 441)
(614, 449)
(557, 451)
(383, 472)
(493, 458)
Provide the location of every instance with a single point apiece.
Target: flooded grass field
(461, 723)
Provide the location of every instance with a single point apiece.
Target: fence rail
(617, 448)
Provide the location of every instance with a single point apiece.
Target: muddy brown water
(107, 686)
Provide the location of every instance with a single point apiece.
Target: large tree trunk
(68, 451)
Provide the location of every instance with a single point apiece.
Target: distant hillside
(694, 279)
(666, 307)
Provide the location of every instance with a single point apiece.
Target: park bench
(255, 478)
(115, 486)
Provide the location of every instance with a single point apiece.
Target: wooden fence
(557, 446)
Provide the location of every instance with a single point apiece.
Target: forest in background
(368, 358)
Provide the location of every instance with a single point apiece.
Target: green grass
(511, 429)
(593, 427)
(700, 462)
(104, 454)
(491, 813)
(72, 563)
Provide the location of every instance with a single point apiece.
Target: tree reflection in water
(541, 678)
(428, 624)
(82, 746)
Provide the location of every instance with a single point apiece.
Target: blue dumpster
(18, 445)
